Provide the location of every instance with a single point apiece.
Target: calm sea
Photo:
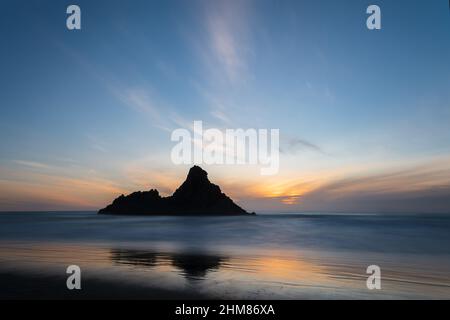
(278, 256)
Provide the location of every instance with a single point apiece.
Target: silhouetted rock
(196, 196)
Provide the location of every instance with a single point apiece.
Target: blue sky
(87, 115)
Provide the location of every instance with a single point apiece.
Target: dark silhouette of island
(196, 196)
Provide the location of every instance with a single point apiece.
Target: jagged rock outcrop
(196, 196)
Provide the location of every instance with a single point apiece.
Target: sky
(364, 115)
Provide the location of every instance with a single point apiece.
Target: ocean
(273, 256)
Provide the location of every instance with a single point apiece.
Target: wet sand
(28, 286)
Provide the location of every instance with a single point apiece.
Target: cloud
(140, 100)
(225, 46)
(32, 164)
(96, 143)
(218, 114)
(223, 49)
(420, 189)
(27, 190)
(217, 104)
(294, 145)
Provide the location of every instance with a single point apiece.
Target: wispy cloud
(140, 100)
(223, 50)
(294, 145)
(32, 164)
(424, 188)
(31, 190)
(96, 143)
(225, 46)
(220, 115)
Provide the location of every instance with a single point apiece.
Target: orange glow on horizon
(45, 187)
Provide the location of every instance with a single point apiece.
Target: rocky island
(196, 196)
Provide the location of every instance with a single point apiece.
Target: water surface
(297, 256)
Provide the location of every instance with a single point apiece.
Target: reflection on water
(135, 257)
(191, 266)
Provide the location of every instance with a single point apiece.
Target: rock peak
(197, 174)
(196, 196)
